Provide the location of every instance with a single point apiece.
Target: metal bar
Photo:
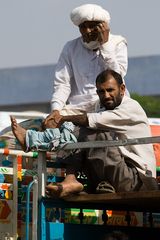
(42, 220)
(35, 209)
(42, 174)
(112, 143)
(15, 197)
(42, 178)
(28, 207)
(18, 152)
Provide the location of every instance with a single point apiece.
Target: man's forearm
(79, 120)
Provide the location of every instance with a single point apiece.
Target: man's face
(90, 30)
(110, 93)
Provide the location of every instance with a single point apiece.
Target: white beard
(91, 45)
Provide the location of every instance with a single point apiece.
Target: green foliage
(150, 104)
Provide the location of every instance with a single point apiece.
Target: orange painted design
(5, 186)
(19, 168)
(155, 130)
(119, 218)
(6, 151)
(19, 159)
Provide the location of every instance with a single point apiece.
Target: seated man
(109, 169)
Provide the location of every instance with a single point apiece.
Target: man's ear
(122, 89)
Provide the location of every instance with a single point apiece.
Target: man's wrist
(67, 118)
(80, 120)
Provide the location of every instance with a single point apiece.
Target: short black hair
(105, 75)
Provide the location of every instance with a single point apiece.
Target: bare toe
(19, 132)
(63, 189)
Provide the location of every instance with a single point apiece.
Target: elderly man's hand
(103, 32)
(53, 120)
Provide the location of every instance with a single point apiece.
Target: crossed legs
(69, 186)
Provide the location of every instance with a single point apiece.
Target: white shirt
(128, 120)
(78, 67)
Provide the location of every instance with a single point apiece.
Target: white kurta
(128, 120)
(78, 67)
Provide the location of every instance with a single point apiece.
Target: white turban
(89, 12)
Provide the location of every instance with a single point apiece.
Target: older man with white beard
(83, 58)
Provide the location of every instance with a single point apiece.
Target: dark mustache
(107, 99)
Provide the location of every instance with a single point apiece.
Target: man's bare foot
(19, 133)
(60, 190)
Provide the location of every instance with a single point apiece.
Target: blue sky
(33, 32)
